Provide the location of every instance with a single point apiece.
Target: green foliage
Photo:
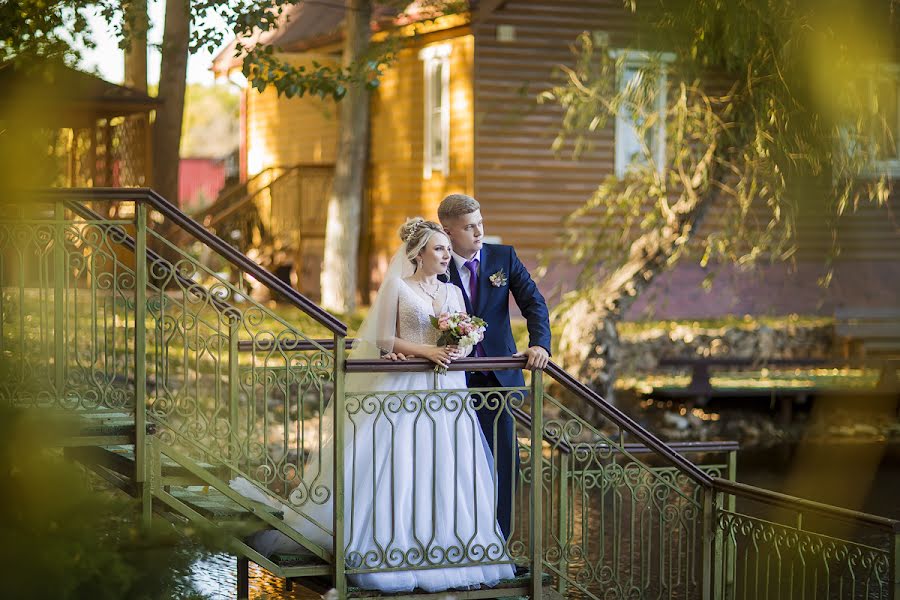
(57, 28)
(46, 28)
(61, 539)
(211, 121)
(770, 119)
(263, 67)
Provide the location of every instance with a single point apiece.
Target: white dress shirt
(464, 274)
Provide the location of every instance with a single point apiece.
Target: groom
(487, 275)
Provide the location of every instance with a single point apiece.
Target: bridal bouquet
(458, 328)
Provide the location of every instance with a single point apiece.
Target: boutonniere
(499, 279)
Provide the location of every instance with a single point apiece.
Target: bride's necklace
(432, 295)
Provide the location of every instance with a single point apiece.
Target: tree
(193, 24)
(361, 67)
(345, 203)
(136, 24)
(172, 82)
(794, 124)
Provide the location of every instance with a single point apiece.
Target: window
(887, 92)
(631, 147)
(437, 107)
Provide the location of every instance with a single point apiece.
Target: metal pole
(340, 578)
(563, 521)
(537, 430)
(59, 286)
(730, 546)
(140, 362)
(895, 567)
(233, 388)
(708, 545)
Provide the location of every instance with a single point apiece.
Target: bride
(418, 476)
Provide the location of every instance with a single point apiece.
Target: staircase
(180, 382)
(278, 216)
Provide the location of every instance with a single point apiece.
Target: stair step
(99, 429)
(320, 584)
(287, 559)
(120, 458)
(213, 504)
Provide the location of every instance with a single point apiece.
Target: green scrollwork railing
(774, 545)
(103, 315)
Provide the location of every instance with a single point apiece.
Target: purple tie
(472, 266)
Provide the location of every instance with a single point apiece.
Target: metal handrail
(624, 421)
(567, 381)
(214, 242)
(785, 501)
(250, 196)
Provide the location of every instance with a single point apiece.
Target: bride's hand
(440, 355)
(456, 352)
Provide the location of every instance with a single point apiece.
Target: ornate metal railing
(109, 316)
(777, 546)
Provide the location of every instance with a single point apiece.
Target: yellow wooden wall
(288, 131)
(284, 132)
(397, 188)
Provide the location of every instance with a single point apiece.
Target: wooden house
(457, 112)
(96, 133)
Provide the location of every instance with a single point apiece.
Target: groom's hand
(537, 357)
(397, 356)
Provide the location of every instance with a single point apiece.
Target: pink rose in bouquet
(459, 328)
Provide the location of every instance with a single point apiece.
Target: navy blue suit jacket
(492, 305)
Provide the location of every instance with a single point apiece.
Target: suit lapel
(455, 280)
(484, 273)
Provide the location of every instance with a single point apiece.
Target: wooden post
(243, 578)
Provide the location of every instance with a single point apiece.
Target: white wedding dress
(419, 481)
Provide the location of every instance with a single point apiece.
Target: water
(859, 476)
(216, 578)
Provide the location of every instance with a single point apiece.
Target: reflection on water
(216, 578)
(859, 476)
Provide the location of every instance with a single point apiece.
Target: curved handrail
(237, 259)
(785, 501)
(586, 394)
(251, 196)
(226, 196)
(417, 365)
(624, 421)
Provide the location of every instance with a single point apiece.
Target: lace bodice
(414, 313)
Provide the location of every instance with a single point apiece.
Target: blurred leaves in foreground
(65, 536)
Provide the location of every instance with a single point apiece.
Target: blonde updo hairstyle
(415, 233)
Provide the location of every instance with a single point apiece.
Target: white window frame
(432, 57)
(892, 165)
(638, 58)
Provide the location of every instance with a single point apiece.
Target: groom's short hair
(456, 205)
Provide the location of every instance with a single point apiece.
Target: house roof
(309, 25)
(73, 94)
